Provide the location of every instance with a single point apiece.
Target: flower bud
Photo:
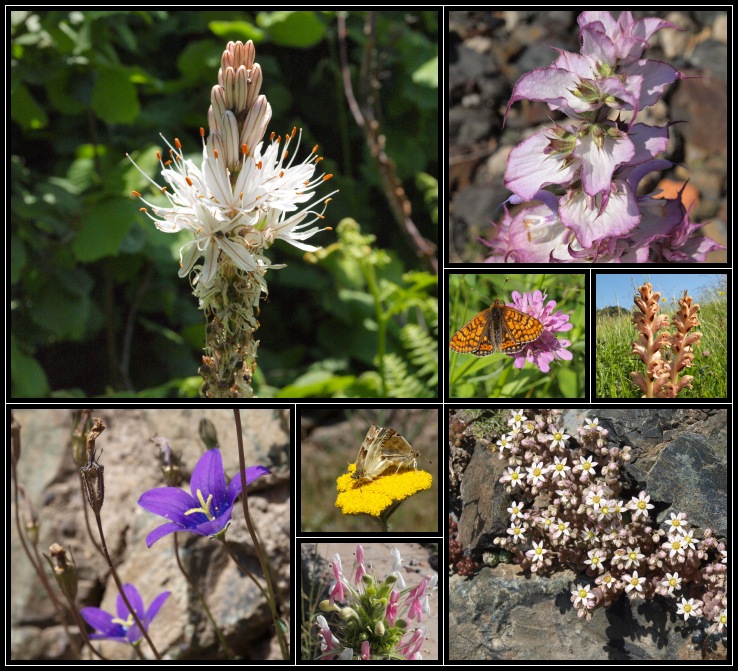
(92, 473)
(15, 428)
(65, 571)
(169, 462)
(82, 425)
(379, 628)
(347, 613)
(326, 606)
(208, 434)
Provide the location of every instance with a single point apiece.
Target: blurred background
(97, 308)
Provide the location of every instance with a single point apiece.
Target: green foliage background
(97, 308)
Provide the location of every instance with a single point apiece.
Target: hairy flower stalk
(246, 195)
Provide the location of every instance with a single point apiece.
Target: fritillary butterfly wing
(500, 328)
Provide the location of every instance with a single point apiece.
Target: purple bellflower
(207, 511)
(592, 167)
(122, 627)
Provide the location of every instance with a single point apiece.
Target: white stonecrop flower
(633, 582)
(536, 473)
(582, 596)
(689, 608)
(640, 505)
(671, 582)
(560, 439)
(593, 424)
(536, 554)
(504, 443)
(518, 417)
(516, 510)
(559, 468)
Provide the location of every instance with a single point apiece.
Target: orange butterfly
(500, 328)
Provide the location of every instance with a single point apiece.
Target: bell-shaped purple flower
(122, 627)
(208, 509)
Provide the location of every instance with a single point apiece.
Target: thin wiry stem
(272, 600)
(121, 591)
(217, 630)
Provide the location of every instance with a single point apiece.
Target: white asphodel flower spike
(243, 196)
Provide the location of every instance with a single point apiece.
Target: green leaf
(28, 378)
(24, 109)
(292, 29)
(236, 30)
(427, 74)
(104, 225)
(18, 258)
(63, 307)
(114, 97)
(316, 384)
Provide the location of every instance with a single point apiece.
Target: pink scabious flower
(597, 161)
(547, 348)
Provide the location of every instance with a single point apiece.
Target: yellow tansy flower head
(373, 498)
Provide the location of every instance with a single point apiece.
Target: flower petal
(169, 502)
(136, 602)
(164, 530)
(156, 604)
(102, 621)
(212, 527)
(252, 472)
(208, 477)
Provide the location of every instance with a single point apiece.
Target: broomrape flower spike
(207, 510)
(121, 627)
(662, 378)
(597, 160)
(244, 196)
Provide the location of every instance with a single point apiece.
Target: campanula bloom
(122, 627)
(208, 509)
